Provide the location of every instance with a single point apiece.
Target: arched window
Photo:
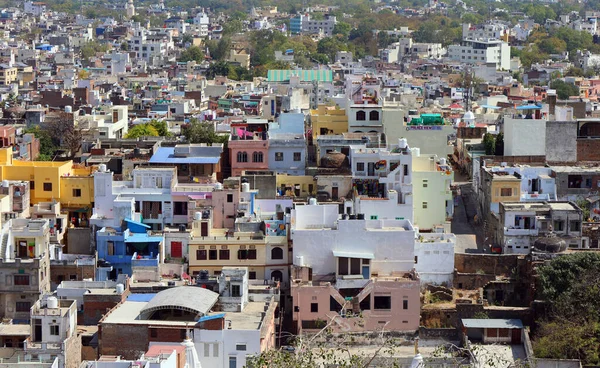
(257, 157)
(242, 157)
(277, 253)
(361, 115)
(276, 275)
(374, 115)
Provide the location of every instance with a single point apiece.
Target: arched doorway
(276, 275)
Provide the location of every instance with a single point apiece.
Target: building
(328, 120)
(484, 51)
(113, 123)
(507, 331)
(8, 74)
(225, 326)
(369, 261)
(304, 24)
(433, 202)
(287, 144)
(70, 184)
(522, 224)
(364, 106)
(54, 332)
(249, 146)
(434, 258)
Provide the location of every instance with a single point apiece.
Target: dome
(550, 243)
(469, 116)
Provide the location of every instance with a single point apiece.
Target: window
(76, 192)
(361, 115)
(575, 226)
(200, 254)
(54, 329)
(334, 305)
(252, 275)
(373, 217)
(216, 350)
(206, 350)
(314, 307)
(374, 115)
(405, 304)
(236, 291)
(277, 253)
(47, 187)
(424, 205)
(297, 156)
(229, 198)
(505, 192)
(242, 157)
(180, 209)
(232, 362)
(240, 347)
(212, 254)
(32, 185)
(425, 183)
(360, 166)
(278, 156)
(23, 306)
(224, 254)
(558, 225)
(382, 302)
(257, 157)
(251, 253)
(21, 280)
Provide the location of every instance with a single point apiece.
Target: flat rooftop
(129, 311)
(15, 330)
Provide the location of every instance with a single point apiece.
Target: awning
(337, 253)
(529, 107)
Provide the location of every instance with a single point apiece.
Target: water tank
(312, 201)
(352, 217)
(120, 289)
(5, 183)
(102, 168)
(245, 187)
(197, 215)
(442, 161)
(403, 143)
(218, 186)
(52, 302)
(416, 152)
(360, 216)
(68, 109)
(300, 261)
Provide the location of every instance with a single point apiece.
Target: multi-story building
(373, 258)
(328, 120)
(433, 203)
(26, 264)
(496, 31)
(484, 51)
(364, 106)
(304, 24)
(249, 146)
(110, 123)
(521, 224)
(8, 74)
(70, 184)
(287, 144)
(406, 47)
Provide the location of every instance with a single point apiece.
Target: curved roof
(190, 298)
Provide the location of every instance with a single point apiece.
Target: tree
(489, 142)
(499, 145)
(47, 147)
(64, 133)
(342, 28)
(585, 207)
(220, 68)
(161, 127)
(142, 130)
(193, 53)
(563, 89)
(202, 132)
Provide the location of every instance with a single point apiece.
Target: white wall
(226, 341)
(391, 245)
(524, 137)
(435, 258)
(310, 217)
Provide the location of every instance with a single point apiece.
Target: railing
(144, 261)
(517, 232)
(30, 345)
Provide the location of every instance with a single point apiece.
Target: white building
(406, 47)
(201, 21)
(34, 7)
(434, 257)
(494, 31)
(322, 240)
(324, 26)
(112, 122)
(473, 51)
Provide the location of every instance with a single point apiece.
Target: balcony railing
(144, 261)
(520, 232)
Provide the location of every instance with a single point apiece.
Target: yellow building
(71, 185)
(506, 189)
(8, 75)
(296, 186)
(328, 120)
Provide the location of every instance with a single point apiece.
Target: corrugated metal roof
(492, 323)
(192, 298)
(305, 75)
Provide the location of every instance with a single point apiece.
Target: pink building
(390, 303)
(248, 146)
(7, 135)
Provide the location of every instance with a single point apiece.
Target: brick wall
(129, 341)
(492, 264)
(73, 351)
(63, 272)
(588, 149)
(96, 305)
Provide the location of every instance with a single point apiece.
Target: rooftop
(195, 299)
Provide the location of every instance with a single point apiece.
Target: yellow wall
(497, 185)
(293, 180)
(62, 175)
(233, 255)
(332, 119)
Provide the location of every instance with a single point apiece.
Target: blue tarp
(214, 316)
(166, 155)
(529, 107)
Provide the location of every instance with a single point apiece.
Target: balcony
(43, 346)
(520, 232)
(138, 260)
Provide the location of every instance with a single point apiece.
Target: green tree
(193, 53)
(142, 130)
(489, 142)
(563, 89)
(162, 128)
(552, 45)
(343, 29)
(220, 68)
(202, 132)
(499, 145)
(585, 207)
(47, 147)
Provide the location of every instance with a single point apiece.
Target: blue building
(126, 248)
(296, 24)
(287, 144)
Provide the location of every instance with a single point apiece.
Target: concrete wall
(434, 254)
(524, 137)
(561, 141)
(78, 241)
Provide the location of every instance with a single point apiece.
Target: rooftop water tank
(197, 215)
(102, 168)
(52, 302)
(442, 161)
(120, 289)
(218, 186)
(5, 184)
(245, 187)
(403, 143)
(68, 109)
(312, 201)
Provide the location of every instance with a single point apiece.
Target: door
(516, 336)
(535, 185)
(366, 272)
(371, 169)
(334, 193)
(204, 229)
(176, 249)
